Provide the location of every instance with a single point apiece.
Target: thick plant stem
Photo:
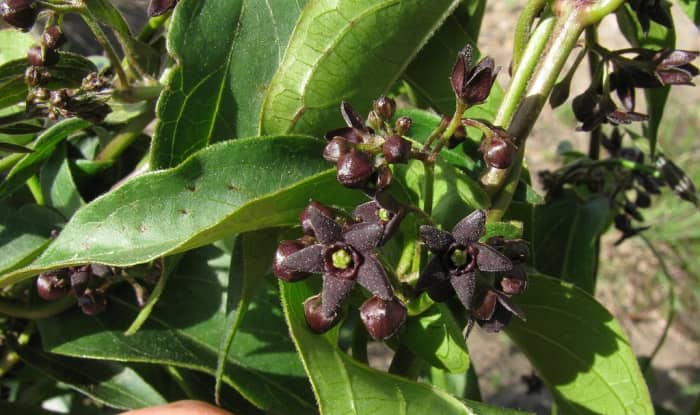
(523, 28)
(525, 100)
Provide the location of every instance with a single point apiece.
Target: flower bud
(514, 281)
(19, 13)
(92, 303)
(498, 152)
(384, 107)
(52, 285)
(472, 85)
(336, 148)
(52, 37)
(396, 149)
(79, 281)
(384, 177)
(315, 319)
(403, 124)
(374, 121)
(382, 318)
(158, 7)
(38, 56)
(354, 168)
(285, 249)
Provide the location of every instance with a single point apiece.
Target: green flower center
(341, 258)
(384, 215)
(459, 257)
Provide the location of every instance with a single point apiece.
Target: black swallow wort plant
(237, 201)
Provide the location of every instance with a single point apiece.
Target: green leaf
(253, 253)
(57, 184)
(14, 44)
(692, 9)
(564, 237)
(350, 50)
(108, 15)
(225, 189)
(43, 147)
(457, 384)
(508, 230)
(185, 330)
(346, 386)
(579, 350)
(435, 337)
(216, 90)
(24, 233)
(12, 87)
(110, 383)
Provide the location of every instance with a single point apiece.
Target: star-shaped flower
(345, 257)
(458, 256)
(383, 210)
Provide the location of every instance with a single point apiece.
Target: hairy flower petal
(435, 239)
(372, 276)
(326, 229)
(333, 293)
(364, 236)
(489, 259)
(464, 285)
(309, 259)
(352, 118)
(470, 228)
(509, 305)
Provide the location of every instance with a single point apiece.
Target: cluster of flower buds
(364, 150)
(87, 283)
(87, 102)
(648, 69)
(343, 250)
(19, 13)
(459, 257)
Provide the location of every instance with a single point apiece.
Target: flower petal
(435, 239)
(309, 259)
(470, 228)
(352, 118)
(326, 229)
(490, 260)
(366, 212)
(364, 236)
(464, 285)
(372, 276)
(433, 273)
(508, 303)
(333, 293)
(501, 317)
(485, 305)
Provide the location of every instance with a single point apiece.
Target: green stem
(523, 28)
(428, 186)
(122, 140)
(35, 188)
(151, 27)
(593, 64)
(6, 163)
(36, 311)
(108, 48)
(671, 303)
(359, 343)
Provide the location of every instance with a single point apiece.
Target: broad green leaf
(185, 330)
(43, 147)
(564, 237)
(24, 233)
(692, 9)
(110, 383)
(457, 384)
(346, 386)
(350, 50)
(253, 253)
(659, 37)
(13, 90)
(227, 52)
(57, 185)
(435, 337)
(14, 44)
(579, 350)
(225, 189)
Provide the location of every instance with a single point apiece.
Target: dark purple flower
(473, 85)
(458, 257)
(493, 310)
(344, 257)
(383, 210)
(594, 109)
(382, 318)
